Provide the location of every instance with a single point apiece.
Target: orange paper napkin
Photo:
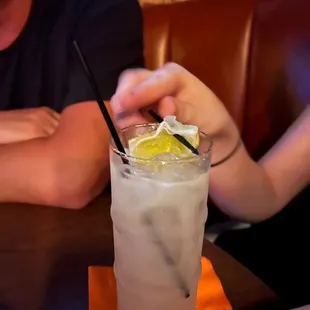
(102, 289)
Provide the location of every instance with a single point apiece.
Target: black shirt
(41, 67)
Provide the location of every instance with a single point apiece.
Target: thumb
(166, 106)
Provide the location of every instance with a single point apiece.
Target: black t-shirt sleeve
(111, 37)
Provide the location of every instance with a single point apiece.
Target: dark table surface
(45, 252)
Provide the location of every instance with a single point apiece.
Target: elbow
(75, 192)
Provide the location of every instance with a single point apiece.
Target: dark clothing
(41, 67)
(277, 250)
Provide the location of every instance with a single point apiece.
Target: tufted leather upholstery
(254, 54)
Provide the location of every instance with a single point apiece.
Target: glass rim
(131, 158)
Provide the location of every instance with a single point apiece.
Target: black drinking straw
(177, 136)
(100, 102)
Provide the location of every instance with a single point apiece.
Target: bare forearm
(25, 172)
(33, 172)
(242, 189)
(255, 191)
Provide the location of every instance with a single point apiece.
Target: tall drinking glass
(159, 210)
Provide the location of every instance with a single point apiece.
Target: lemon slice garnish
(162, 140)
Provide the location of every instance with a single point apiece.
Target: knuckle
(44, 110)
(127, 75)
(172, 66)
(177, 74)
(35, 130)
(50, 131)
(132, 77)
(160, 74)
(170, 71)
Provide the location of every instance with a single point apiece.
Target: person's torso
(34, 69)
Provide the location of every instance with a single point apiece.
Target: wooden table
(45, 252)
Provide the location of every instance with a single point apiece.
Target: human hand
(171, 90)
(27, 124)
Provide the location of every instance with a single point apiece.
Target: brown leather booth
(255, 55)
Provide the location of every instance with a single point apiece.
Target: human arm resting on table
(67, 169)
(27, 124)
(71, 167)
